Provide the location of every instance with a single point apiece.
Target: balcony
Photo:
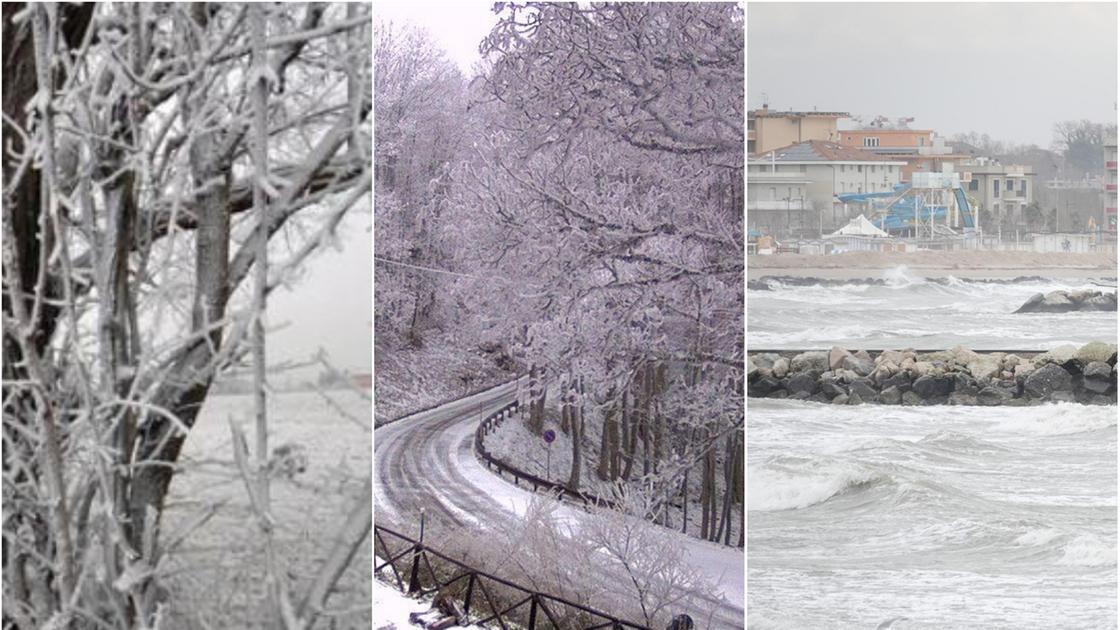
(776, 204)
(1110, 187)
(1110, 165)
(1110, 210)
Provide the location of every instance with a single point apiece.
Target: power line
(422, 268)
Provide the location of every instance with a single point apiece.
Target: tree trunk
(575, 415)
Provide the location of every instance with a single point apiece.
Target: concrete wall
(775, 132)
(887, 137)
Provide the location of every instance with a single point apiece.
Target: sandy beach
(935, 264)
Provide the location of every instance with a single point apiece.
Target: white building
(792, 191)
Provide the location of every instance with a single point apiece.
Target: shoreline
(933, 264)
(989, 273)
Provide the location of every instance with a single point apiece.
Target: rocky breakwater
(1069, 301)
(960, 376)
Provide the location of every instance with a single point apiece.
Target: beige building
(791, 191)
(769, 129)
(1004, 191)
(1110, 185)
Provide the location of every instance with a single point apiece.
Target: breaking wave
(790, 483)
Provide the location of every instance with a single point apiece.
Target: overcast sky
(329, 306)
(1010, 70)
(457, 27)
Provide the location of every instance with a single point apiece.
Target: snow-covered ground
(217, 573)
(394, 607)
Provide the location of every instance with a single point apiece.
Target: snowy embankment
(407, 380)
(721, 564)
(394, 608)
(514, 444)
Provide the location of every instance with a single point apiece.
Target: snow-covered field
(218, 571)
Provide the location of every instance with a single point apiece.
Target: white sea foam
(1088, 551)
(1058, 419)
(1037, 537)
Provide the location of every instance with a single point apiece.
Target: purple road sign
(549, 436)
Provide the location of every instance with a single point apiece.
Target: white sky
(1011, 70)
(331, 304)
(457, 27)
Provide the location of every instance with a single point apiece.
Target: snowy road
(427, 461)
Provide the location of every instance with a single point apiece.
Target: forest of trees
(152, 152)
(579, 202)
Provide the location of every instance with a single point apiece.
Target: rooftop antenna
(765, 100)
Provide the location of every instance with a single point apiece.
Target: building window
(859, 168)
(1010, 185)
(870, 142)
(921, 141)
(843, 168)
(974, 185)
(804, 168)
(995, 188)
(1023, 187)
(872, 168)
(773, 193)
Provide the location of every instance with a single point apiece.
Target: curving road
(426, 461)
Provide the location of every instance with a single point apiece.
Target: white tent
(859, 226)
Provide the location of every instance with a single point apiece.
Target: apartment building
(791, 191)
(769, 129)
(1004, 190)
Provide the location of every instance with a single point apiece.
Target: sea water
(902, 310)
(930, 517)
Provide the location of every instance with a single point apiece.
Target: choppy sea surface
(907, 310)
(878, 517)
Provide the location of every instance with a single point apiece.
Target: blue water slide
(861, 197)
(966, 210)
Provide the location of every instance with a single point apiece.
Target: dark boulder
(910, 398)
(832, 388)
(802, 382)
(1046, 380)
(764, 386)
(992, 396)
(864, 389)
(932, 387)
(890, 396)
(900, 380)
(1097, 377)
(1069, 301)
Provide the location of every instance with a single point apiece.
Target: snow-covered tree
(129, 240)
